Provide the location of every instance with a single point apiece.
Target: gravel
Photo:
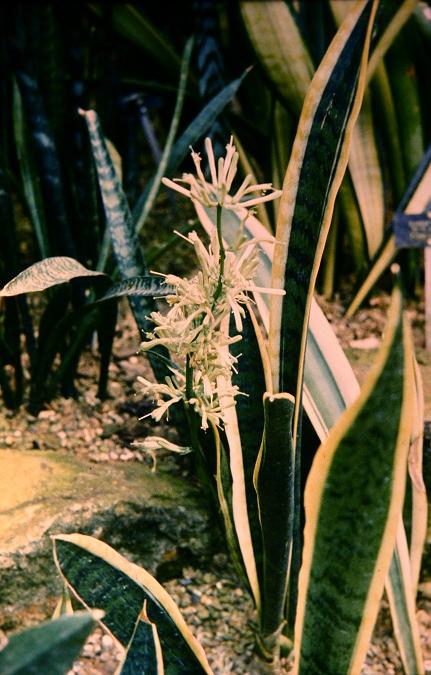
(214, 603)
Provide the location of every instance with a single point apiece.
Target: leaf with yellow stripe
(315, 171)
(100, 577)
(401, 596)
(281, 50)
(364, 164)
(353, 504)
(419, 516)
(144, 656)
(316, 168)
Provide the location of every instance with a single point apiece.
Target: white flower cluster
(216, 193)
(195, 330)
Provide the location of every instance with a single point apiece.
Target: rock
(145, 516)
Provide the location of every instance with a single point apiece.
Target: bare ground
(213, 601)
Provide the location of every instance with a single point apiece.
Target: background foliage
(74, 80)
(125, 61)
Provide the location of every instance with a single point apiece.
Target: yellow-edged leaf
(353, 503)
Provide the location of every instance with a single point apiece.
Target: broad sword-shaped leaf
(315, 171)
(329, 387)
(353, 502)
(101, 577)
(49, 648)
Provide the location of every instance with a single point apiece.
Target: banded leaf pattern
(102, 578)
(354, 496)
(125, 242)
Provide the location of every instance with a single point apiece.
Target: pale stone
(140, 513)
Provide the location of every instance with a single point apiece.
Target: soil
(214, 603)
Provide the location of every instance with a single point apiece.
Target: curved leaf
(395, 15)
(251, 381)
(367, 178)
(314, 174)
(130, 22)
(125, 242)
(419, 517)
(155, 183)
(46, 273)
(192, 135)
(240, 514)
(389, 126)
(144, 654)
(49, 648)
(401, 596)
(29, 175)
(119, 219)
(415, 200)
(340, 586)
(223, 479)
(99, 576)
(149, 286)
(281, 50)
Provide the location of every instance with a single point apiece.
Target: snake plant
(316, 532)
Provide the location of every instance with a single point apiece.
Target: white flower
(195, 330)
(157, 390)
(151, 444)
(216, 193)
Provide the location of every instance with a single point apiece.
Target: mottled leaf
(149, 286)
(49, 648)
(353, 502)
(46, 273)
(99, 576)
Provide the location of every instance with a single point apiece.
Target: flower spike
(217, 192)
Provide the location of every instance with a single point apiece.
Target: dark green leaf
(353, 503)
(142, 657)
(49, 648)
(149, 286)
(193, 134)
(274, 486)
(319, 160)
(130, 22)
(101, 577)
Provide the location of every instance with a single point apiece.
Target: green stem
(222, 255)
(189, 379)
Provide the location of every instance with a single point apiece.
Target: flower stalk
(222, 253)
(194, 329)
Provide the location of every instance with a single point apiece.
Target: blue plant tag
(412, 230)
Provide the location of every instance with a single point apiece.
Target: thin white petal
(220, 167)
(174, 186)
(211, 160)
(264, 198)
(232, 171)
(247, 180)
(262, 289)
